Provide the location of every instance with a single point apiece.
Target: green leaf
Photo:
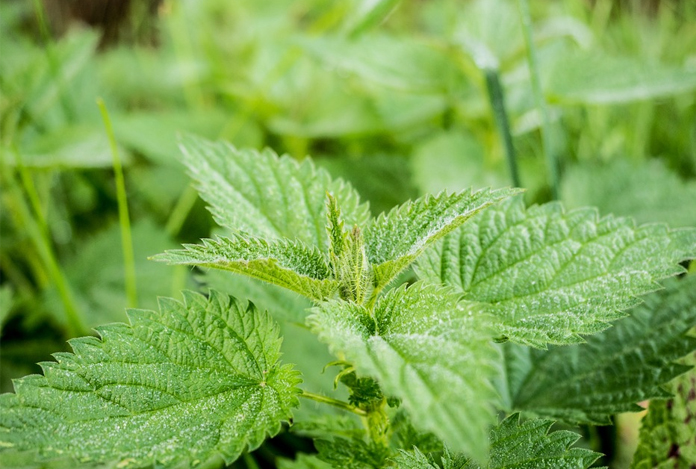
(530, 445)
(396, 239)
(300, 346)
(615, 369)
(364, 14)
(406, 436)
(285, 306)
(649, 192)
(414, 460)
(397, 62)
(343, 425)
(199, 380)
(424, 349)
(439, 164)
(320, 96)
(490, 32)
(515, 445)
(291, 265)
(71, 147)
(667, 431)
(666, 434)
(352, 453)
(599, 79)
(154, 133)
(547, 275)
(267, 196)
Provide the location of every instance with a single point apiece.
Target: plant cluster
(494, 325)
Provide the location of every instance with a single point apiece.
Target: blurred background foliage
(399, 97)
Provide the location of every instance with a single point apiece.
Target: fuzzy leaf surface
(424, 348)
(414, 460)
(268, 196)
(396, 239)
(291, 265)
(615, 369)
(196, 381)
(549, 276)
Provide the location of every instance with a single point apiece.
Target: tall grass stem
(36, 228)
(52, 60)
(497, 101)
(540, 101)
(123, 216)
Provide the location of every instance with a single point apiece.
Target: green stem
(333, 402)
(34, 199)
(539, 99)
(497, 100)
(181, 210)
(53, 61)
(15, 275)
(183, 49)
(250, 461)
(123, 216)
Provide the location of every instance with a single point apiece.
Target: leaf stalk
(333, 402)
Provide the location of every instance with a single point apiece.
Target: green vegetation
(375, 304)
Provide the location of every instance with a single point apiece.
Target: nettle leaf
(424, 348)
(414, 460)
(268, 196)
(547, 275)
(650, 192)
(667, 431)
(514, 445)
(292, 265)
(406, 436)
(196, 381)
(352, 453)
(394, 240)
(530, 445)
(342, 425)
(615, 369)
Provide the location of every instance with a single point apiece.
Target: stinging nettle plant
(509, 318)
